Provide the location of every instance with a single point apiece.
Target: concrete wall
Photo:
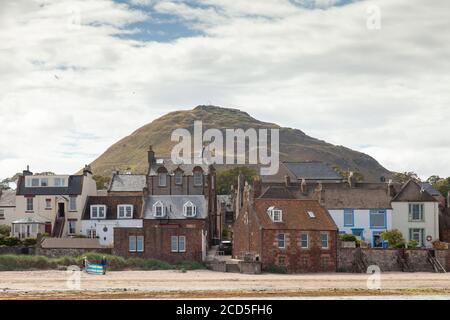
(387, 259)
(401, 221)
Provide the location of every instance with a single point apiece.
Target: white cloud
(68, 92)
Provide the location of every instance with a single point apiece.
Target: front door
(61, 212)
(377, 240)
(48, 228)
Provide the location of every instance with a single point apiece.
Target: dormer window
(162, 179)
(275, 214)
(159, 210)
(98, 211)
(125, 211)
(189, 210)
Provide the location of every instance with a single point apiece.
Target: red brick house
(178, 216)
(296, 235)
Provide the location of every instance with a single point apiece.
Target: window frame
(161, 175)
(30, 201)
(421, 212)
(175, 244)
(48, 203)
(196, 175)
(72, 223)
(374, 212)
(132, 243)
(72, 202)
(352, 213)
(125, 206)
(2, 214)
(98, 206)
(161, 205)
(421, 241)
(302, 240)
(327, 240)
(178, 178)
(187, 205)
(283, 240)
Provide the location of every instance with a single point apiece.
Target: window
(324, 240)
(159, 210)
(198, 178)
(378, 219)
(178, 178)
(275, 214)
(72, 226)
(92, 233)
(190, 210)
(304, 241)
(98, 211)
(178, 244)
(44, 182)
(281, 241)
(2, 214)
(140, 243)
(349, 218)
(30, 204)
(48, 203)
(35, 182)
(417, 235)
(416, 211)
(162, 178)
(125, 211)
(132, 243)
(72, 203)
(59, 182)
(311, 215)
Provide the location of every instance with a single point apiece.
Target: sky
(78, 75)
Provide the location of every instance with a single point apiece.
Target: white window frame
(178, 178)
(175, 242)
(322, 240)
(72, 203)
(190, 205)
(97, 215)
(311, 214)
(301, 240)
(160, 182)
(48, 203)
(421, 212)
(72, 223)
(280, 215)
(140, 240)
(281, 240)
(132, 243)
(125, 211)
(159, 204)
(59, 182)
(91, 233)
(198, 179)
(30, 200)
(41, 182)
(35, 179)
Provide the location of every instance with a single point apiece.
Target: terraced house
(179, 213)
(51, 203)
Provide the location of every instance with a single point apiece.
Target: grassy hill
(131, 151)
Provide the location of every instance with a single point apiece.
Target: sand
(208, 284)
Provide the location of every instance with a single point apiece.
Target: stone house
(7, 207)
(281, 231)
(55, 200)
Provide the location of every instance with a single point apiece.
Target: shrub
(439, 245)
(348, 237)
(25, 262)
(113, 262)
(394, 238)
(29, 242)
(10, 241)
(413, 244)
(5, 230)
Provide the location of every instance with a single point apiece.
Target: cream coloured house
(56, 200)
(416, 214)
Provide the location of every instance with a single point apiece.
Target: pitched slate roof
(174, 206)
(413, 191)
(356, 198)
(430, 189)
(313, 170)
(75, 187)
(127, 183)
(8, 198)
(111, 203)
(277, 192)
(295, 215)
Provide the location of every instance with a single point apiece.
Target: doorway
(61, 210)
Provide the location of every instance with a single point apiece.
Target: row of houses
(290, 220)
(293, 220)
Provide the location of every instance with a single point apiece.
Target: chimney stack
(87, 170)
(27, 172)
(351, 179)
(303, 186)
(287, 181)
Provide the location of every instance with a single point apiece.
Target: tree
(101, 181)
(356, 174)
(440, 184)
(228, 178)
(406, 176)
(394, 238)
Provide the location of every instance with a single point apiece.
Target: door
(48, 228)
(377, 240)
(61, 208)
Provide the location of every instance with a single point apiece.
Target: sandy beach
(207, 284)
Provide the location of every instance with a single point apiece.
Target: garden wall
(389, 260)
(17, 250)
